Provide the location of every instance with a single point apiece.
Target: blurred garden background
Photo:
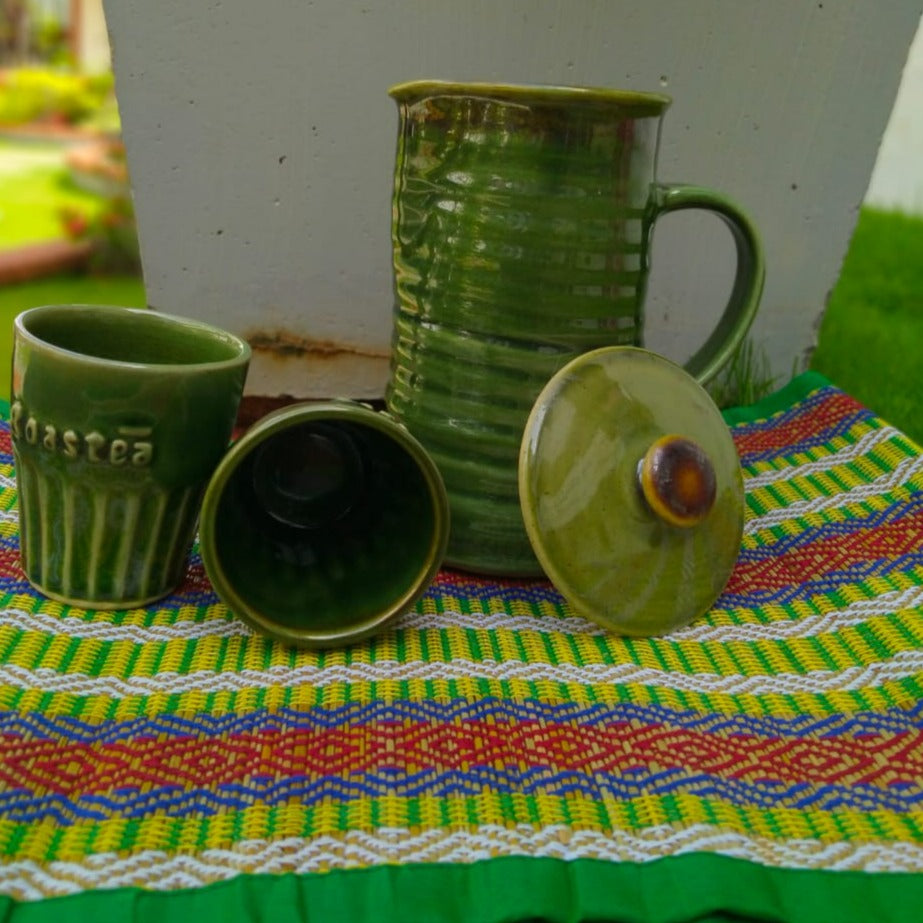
(67, 228)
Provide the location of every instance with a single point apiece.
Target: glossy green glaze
(639, 104)
(522, 220)
(118, 418)
(616, 559)
(324, 522)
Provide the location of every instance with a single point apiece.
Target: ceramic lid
(631, 491)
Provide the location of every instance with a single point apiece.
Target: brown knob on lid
(678, 481)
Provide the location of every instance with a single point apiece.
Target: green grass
(33, 190)
(34, 186)
(871, 337)
(126, 291)
(745, 379)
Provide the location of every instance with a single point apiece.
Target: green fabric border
(691, 888)
(783, 399)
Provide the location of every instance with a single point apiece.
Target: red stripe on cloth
(811, 421)
(418, 747)
(447, 577)
(195, 581)
(886, 540)
(10, 567)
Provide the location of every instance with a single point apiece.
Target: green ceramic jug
(521, 225)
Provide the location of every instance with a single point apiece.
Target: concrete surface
(261, 143)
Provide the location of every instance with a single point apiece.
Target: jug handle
(748, 277)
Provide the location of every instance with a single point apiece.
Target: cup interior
(309, 477)
(322, 530)
(127, 335)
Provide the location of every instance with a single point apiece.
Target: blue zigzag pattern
(22, 806)
(827, 583)
(811, 441)
(36, 726)
(806, 404)
(895, 511)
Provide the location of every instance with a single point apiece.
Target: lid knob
(677, 480)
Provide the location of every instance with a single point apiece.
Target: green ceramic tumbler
(118, 419)
(522, 221)
(322, 523)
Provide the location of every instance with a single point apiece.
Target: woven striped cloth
(493, 756)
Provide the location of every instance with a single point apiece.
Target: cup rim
(277, 421)
(645, 102)
(242, 350)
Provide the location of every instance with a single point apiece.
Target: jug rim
(647, 103)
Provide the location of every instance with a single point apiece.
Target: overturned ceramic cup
(118, 418)
(322, 523)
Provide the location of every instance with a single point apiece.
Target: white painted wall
(897, 180)
(261, 143)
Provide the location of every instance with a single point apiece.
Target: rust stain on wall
(283, 344)
(287, 366)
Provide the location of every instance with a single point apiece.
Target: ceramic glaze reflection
(522, 220)
(616, 559)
